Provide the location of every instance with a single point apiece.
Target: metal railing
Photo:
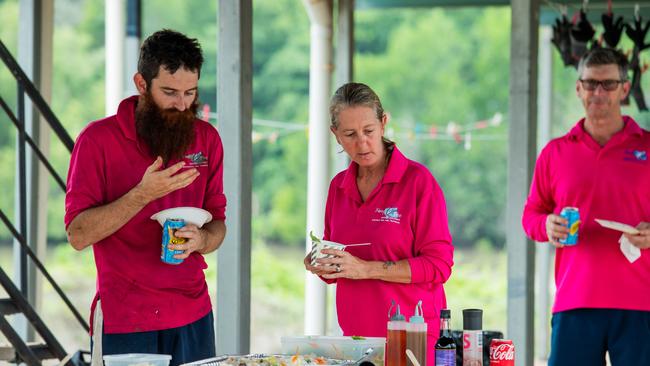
(26, 87)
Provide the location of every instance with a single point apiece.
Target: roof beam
(547, 16)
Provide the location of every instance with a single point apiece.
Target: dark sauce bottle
(445, 346)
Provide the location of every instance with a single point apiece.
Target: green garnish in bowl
(358, 338)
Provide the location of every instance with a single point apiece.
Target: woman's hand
(317, 270)
(345, 265)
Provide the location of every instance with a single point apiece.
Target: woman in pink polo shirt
(396, 205)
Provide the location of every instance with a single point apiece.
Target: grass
(478, 281)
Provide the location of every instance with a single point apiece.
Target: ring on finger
(338, 268)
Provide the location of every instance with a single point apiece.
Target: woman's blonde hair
(356, 95)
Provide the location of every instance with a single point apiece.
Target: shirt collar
(396, 168)
(630, 128)
(126, 117)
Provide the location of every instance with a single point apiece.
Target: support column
(544, 251)
(234, 118)
(522, 132)
(345, 43)
(35, 58)
(114, 48)
(344, 71)
(320, 76)
(132, 45)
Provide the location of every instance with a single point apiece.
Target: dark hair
(171, 50)
(600, 56)
(356, 95)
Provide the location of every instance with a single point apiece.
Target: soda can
(169, 230)
(502, 352)
(572, 214)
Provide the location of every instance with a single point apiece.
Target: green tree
(426, 81)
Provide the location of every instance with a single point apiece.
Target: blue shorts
(188, 343)
(583, 336)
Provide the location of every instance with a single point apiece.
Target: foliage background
(430, 67)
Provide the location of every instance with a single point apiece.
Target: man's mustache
(598, 100)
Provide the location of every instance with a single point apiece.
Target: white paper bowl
(192, 215)
(317, 248)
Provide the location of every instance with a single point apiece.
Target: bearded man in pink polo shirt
(397, 206)
(154, 154)
(601, 167)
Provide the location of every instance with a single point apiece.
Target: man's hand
(157, 183)
(642, 239)
(197, 240)
(97, 223)
(556, 229)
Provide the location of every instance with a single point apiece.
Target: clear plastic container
(416, 336)
(396, 338)
(344, 348)
(137, 359)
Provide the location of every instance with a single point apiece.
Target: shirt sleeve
(540, 202)
(86, 177)
(432, 241)
(215, 199)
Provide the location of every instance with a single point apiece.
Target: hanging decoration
(573, 38)
(562, 38)
(637, 32)
(582, 33)
(460, 134)
(613, 28)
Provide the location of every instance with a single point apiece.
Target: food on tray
(279, 360)
(338, 348)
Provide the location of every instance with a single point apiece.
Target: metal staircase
(21, 351)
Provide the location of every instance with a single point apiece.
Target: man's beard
(168, 133)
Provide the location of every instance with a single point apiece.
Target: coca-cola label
(502, 352)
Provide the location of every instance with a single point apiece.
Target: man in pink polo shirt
(601, 167)
(153, 155)
(396, 205)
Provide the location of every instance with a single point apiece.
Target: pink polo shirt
(138, 292)
(404, 217)
(610, 182)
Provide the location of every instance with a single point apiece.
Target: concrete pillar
(235, 124)
(35, 58)
(114, 48)
(344, 70)
(320, 74)
(132, 45)
(544, 251)
(522, 135)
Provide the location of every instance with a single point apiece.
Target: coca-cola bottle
(445, 346)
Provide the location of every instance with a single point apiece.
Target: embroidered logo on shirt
(640, 155)
(389, 214)
(197, 159)
(637, 156)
